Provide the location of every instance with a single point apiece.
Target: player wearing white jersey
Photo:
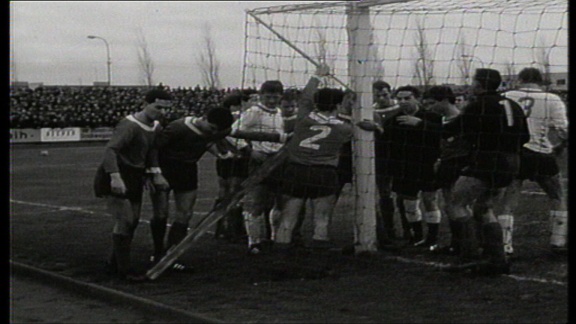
(548, 126)
(263, 118)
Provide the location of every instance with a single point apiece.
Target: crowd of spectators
(96, 106)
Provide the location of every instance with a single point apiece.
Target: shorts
(344, 167)
(308, 181)
(257, 159)
(496, 169)
(535, 164)
(180, 176)
(233, 168)
(409, 178)
(133, 180)
(449, 170)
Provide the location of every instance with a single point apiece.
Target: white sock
(559, 220)
(507, 224)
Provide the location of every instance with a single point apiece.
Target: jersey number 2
(309, 142)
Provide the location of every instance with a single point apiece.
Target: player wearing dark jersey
(232, 168)
(412, 146)
(128, 156)
(453, 157)
(180, 145)
(310, 173)
(496, 129)
(548, 126)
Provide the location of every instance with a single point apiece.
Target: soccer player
(180, 145)
(546, 115)
(453, 157)
(128, 156)
(413, 139)
(496, 129)
(460, 100)
(264, 117)
(289, 107)
(384, 105)
(232, 169)
(409, 147)
(311, 171)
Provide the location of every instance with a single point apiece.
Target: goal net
(402, 42)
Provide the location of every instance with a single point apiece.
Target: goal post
(403, 42)
(360, 40)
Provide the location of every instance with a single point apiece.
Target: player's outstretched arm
(306, 102)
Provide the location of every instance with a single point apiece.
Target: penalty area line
(79, 209)
(443, 265)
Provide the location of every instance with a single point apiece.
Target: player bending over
(180, 145)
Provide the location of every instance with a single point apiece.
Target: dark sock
(468, 242)
(176, 233)
(121, 246)
(158, 230)
(418, 232)
(432, 236)
(493, 245)
(453, 240)
(406, 227)
(236, 227)
(385, 226)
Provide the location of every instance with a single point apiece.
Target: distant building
(558, 81)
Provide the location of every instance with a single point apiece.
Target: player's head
(348, 103)
(289, 101)
(530, 75)
(408, 98)
(156, 101)
(382, 94)
(459, 100)
(328, 99)
(440, 93)
(486, 80)
(270, 93)
(220, 118)
(437, 97)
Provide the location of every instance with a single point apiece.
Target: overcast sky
(49, 41)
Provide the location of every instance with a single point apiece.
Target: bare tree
(543, 60)
(510, 74)
(424, 68)
(145, 62)
(207, 61)
(464, 64)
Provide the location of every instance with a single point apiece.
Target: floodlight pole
(108, 62)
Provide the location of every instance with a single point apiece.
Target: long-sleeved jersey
(259, 118)
(491, 123)
(544, 111)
